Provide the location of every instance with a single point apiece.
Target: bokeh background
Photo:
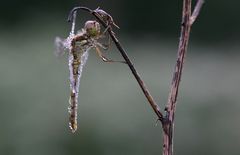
(114, 117)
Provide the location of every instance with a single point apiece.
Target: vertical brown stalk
(168, 125)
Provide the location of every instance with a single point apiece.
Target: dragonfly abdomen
(75, 62)
(73, 112)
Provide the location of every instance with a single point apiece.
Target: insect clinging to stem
(78, 46)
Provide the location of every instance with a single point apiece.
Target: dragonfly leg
(106, 29)
(104, 58)
(104, 46)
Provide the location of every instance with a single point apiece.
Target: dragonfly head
(92, 28)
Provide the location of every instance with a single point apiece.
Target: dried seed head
(92, 28)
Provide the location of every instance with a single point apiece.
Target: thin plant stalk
(187, 21)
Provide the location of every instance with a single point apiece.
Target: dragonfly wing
(60, 46)
(84, 58)
(75, 82)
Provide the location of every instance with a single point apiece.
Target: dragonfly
(78, 46)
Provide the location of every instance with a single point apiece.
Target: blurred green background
(114, 117)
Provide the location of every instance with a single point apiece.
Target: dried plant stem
(141, 83)
(168, 125)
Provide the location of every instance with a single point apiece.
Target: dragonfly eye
(92, 28)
